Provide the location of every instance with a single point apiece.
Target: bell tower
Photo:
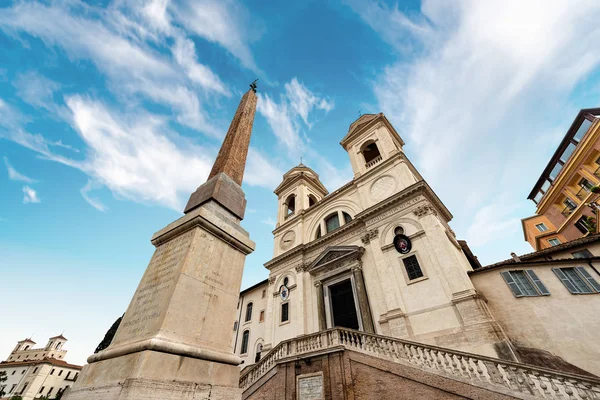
(299, 190)
(371, 140)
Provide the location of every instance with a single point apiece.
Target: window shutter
(591, 281)
(563, 278)
(512, 284)
(536, 281)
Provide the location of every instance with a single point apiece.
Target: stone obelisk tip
(225, 179)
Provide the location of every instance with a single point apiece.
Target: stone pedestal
(175, 338)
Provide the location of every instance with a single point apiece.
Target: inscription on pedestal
(310, 387)
(150, 299)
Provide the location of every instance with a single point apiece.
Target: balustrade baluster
(554, 387)
(566, 388)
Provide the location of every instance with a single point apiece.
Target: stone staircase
(504, 377)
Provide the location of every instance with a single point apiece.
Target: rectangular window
(52, 372)
(12, 389)
(554, 242)
(568, 151)
(235, 326)
(42, 389)
(285, 312)
(587, 185)
(525, 283)
(555, 171)
(50, 392)
(541, 227)
(571, 205)
(248, 312)
(68, 374)
(245, 337)
(413, 269)
(583, 128)
(583, 253)
(545, 186)
(261, 317)
(264, 293)
(60, 372)
(577, 280)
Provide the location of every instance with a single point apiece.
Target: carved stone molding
(318, 284)
(300, 268)
(421, 211)
(272, 280)
(372, 234)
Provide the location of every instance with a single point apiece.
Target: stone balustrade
(515, 379)
(373, 162)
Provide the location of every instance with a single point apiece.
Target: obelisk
(174, 341)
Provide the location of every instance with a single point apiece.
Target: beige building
(547, 302)
(35, 372)
(335, 263)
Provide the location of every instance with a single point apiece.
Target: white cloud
(492, 222)
(303, 101)
(260, 171)
(269, 221)
(184, 52)
(138, 159)
(225, 22)
(116, 45)
(97, 204)
(477, 83)
(30, 195)
(13, 175)
(295, 105)
(36, 89)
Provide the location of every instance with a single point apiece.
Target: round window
(285, 281)
(399, 230)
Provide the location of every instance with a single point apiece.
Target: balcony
(567, 211)
(597, 172)
(582, 193)
(373, 162)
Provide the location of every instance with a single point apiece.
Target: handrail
(520, 380)
(374, 161)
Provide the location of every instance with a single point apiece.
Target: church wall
(562, 323)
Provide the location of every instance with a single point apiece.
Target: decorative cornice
(272, 279)
(372, 234)
(422, 211)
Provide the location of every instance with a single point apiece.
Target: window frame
(244, 344)
(329, 217)
(582, 274)
(248, 316)
(543, 225)
(287, 306)
(581, 251)
(405, 272)
(261, 316)
(516, 285)
(551, 244)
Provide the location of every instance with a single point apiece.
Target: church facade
(336, 264)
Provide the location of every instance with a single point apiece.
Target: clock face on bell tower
(287, 240)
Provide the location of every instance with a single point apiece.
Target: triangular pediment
(333, 254)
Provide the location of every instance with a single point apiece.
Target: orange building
(563, 193)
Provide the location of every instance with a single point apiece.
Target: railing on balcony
(567, 211)
(288, 216)
(520, 380)
(374, 161)
(582, 194)
(597, 172)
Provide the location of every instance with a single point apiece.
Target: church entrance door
(343, 305)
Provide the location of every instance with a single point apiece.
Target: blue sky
(111, 113)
